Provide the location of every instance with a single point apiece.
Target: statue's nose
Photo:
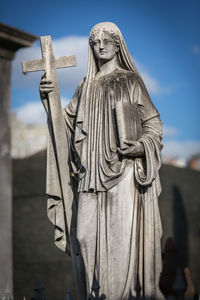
(101, 45)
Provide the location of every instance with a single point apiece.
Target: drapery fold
(146, 175)
(60, 194)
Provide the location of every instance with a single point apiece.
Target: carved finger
(124, 152)
(129, 142)
(121, 151)
(43, 82)
(46, 87)
(47, 90)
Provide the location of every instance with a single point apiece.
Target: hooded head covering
(124, 57)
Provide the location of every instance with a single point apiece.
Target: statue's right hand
(46, 87)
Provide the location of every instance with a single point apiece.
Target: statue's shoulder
(129, 75)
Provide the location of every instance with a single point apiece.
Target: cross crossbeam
(48, 62)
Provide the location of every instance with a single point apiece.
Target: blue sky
(162, 36)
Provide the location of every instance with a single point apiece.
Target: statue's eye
(96, 43)
(107, 41)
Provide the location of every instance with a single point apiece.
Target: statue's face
(104, 46)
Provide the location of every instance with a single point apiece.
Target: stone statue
(103, 193)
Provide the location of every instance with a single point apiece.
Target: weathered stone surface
(11, 39)
(5, 179)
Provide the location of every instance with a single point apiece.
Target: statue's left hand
(135, 149)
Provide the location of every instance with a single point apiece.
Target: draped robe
(117, 215)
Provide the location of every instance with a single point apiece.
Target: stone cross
(48, 63)
(53, 104)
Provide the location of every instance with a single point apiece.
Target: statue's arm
(150, 117)
(70, 111)
(146, 170)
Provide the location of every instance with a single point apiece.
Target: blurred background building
(26, 139)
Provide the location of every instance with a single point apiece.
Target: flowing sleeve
(70, 111)
(147, 177)
(146, 168)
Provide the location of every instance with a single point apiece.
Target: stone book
(127, 122)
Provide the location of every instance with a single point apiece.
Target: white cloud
(33, 112)
(169, 131)
(182, 149)
(153, 85)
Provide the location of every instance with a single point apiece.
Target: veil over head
(124, 57)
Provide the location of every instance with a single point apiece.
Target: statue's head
(109, 35)
(104, 40)
(108, 28)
